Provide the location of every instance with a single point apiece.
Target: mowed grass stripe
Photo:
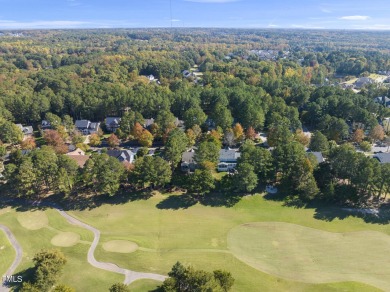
(309, 255)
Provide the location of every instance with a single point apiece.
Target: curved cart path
(130, 276)
(19, 253)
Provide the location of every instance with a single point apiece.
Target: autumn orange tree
(54, 139)
(358, 136)
(113, 141)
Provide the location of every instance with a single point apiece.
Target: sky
(309, 14)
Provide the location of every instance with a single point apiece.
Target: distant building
(27, 131)
(86, 127)
(45, 125)
(363, 81)
(112, 123)
(383, 100)
(186, 73)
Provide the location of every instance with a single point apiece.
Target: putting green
(310, 255)
(120, 246)
(33, 220)
(65, 239)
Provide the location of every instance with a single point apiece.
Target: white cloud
(175, 20)
(273, 25)
(212, 1)
(355, 17)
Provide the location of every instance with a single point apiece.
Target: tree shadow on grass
(72, 202)
(176, 202)
(185, 201)
(326, 211)
(220, 199)
(382, 216)
(25, 275)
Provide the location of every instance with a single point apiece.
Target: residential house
(383, 100)
(188, 164)
(318, 155)
(179, 124)
(148, 123)
(86, 127)
(45, 125)
(112, 123)
(77, 151)
(79, 157)
(363, 81)
(124, 156)
(186, 73)
(382, 157)
(27, 131)
(228, 159)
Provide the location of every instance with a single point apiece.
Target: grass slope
(198, 235)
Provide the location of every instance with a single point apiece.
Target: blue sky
(331, 14)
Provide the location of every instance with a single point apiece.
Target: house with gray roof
(87, 127)
(318, 155)
(382, 157)
(228, 159)
(27, 131)
(122, 155)
(112, 123)
(188, 164)
(363, 81)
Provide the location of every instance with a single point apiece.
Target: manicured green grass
(198, 236)
(310, 255)
(144, 285)
(7, 253)
(77, 272)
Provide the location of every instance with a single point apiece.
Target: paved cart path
(19, 253)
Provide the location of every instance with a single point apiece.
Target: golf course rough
(310, 255)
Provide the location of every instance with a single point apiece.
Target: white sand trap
(33, 220)
(121, 246)
(65, 239)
